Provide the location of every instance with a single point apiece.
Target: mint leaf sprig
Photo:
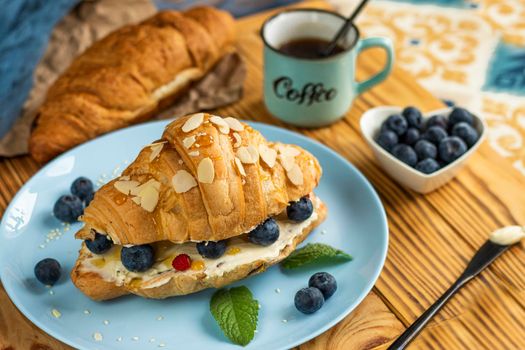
(313, 252)
(236, 313)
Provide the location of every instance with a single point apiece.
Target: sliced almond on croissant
(205, 171)
(183, 181)
(193, 122)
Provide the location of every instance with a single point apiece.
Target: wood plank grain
(431, 236)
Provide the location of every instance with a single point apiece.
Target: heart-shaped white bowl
(407, 176)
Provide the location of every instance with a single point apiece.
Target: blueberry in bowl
(437, 120)
(406, 154)
(425, 149)
(451, 148)
(413, 117)
(387, 139)
(465, 132)
(411, 136)
(428, 166)
(396, 123)
(434, 134)
(426, 161)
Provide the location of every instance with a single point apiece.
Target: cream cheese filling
(238, 252)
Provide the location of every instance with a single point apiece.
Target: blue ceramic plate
(356, 223)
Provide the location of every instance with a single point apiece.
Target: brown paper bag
(87, 23)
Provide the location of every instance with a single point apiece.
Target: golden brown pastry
(212, 182)
(207, 179)
(127, 76)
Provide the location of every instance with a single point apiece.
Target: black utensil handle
(416, 327)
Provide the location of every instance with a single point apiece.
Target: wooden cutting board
(431, 236)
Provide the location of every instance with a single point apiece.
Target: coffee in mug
(301, 86)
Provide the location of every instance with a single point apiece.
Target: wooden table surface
(432, 236)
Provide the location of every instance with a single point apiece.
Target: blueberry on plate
(47, 271)
(434, 134)
(300, 210)
(411, 136)
(89, 198)
(396, 123)
(266, 233)
(405, 153)
(413, 117)
(451, 148)
(68, 208)
(387, 139)
(465, 132)
(308, 300)
(82, 187)
(425, 149)
(428, 166)
(137, 258)
(325, 282)
(437, 120)
(100, 244)
(459, 115)
(211, 249)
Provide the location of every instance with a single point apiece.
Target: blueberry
(100, 244)
(89, 198)
(451, 148)
(428, 166)
(211, 250)
(459, 115)
(266, 233)
(387, 139)
(47, 271)
(325, 282)
(300, 210)
(437, 120)
(137, 258)
(411, 136)
(396, 123)
(68, 208)
(82, 188)
(434, 134)
(308, 300)
(413, 117)
(405, 153)
(425, 149)
(465, 132)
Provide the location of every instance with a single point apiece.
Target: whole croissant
(208, 178)
(127, 76)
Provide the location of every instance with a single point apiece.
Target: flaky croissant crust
(252, 180)
(128, 76)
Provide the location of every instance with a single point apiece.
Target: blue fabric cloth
(237, 8)
(25, 26)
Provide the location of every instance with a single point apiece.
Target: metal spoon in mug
(499, 242)
(344, 28)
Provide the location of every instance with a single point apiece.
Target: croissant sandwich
(129, 75)
(208, 204)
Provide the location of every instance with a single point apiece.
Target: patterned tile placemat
(467, 52)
